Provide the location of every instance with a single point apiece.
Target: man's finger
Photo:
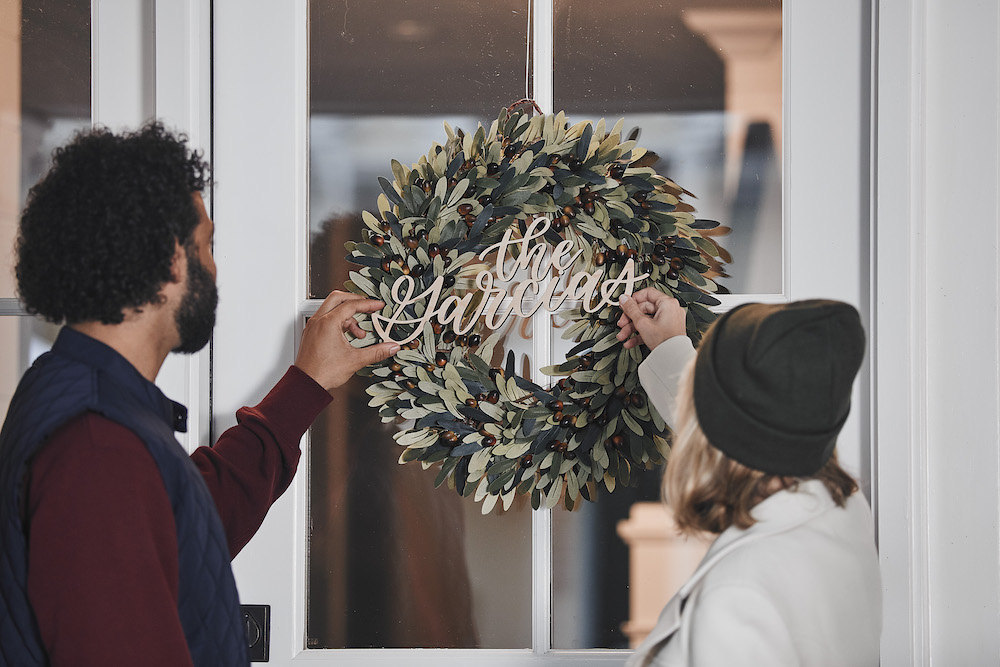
(366, 356)
(352, 307)
(355, 328)
(334, 299)
(645, 307)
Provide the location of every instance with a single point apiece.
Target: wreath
(493, 433)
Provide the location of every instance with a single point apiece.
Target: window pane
(615, 562)
(585, 548)
(702, 79)
(397, 563)
(381, 85)
(393, 561)
(44, 98)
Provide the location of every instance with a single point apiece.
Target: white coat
(799, 587)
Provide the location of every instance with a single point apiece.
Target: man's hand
(651, 317)
(325, 355)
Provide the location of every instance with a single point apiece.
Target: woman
(793, 577)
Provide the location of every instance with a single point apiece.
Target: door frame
(261, 161)
(892, 167)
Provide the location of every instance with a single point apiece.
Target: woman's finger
(632, 342)
(627, 331)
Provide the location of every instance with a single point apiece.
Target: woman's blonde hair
(709, 492)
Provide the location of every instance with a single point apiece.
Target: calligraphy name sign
(540, 285)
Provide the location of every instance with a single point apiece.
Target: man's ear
(178, 265)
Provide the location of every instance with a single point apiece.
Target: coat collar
(778, 513)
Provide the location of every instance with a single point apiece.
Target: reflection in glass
(590, 574)
(395, 562)
(702, 79)
(44, 98)
(590, 564)
(382, 83)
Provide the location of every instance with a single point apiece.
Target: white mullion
(460, 657)
(785, 157)
(542, 36)
(122, 62)
(183, 68)
(542, 32)
(900, 346)
(180, 79)
(11, 306)
(300, 487)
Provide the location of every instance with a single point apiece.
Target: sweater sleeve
(253, 463)
(102, 549)
(661, 371)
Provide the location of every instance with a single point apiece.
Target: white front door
(311, 99)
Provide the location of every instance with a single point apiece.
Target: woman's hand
(651, 317)
(325, 354)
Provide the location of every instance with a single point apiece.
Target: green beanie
(772, 383)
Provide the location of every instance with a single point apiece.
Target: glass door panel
(392, 561)
(381, 85)
(395, 562)
(702, 79)
(350, 559)
(677, 71)
(590, 562)
(44, 99)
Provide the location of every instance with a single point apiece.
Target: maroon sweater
(102, 544)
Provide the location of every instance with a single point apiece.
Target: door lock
(257, 623)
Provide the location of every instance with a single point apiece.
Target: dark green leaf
(455, 164)
(584, 144)
(389, 191)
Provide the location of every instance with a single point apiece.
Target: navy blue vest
(81, 374)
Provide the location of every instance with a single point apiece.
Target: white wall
(938, 388)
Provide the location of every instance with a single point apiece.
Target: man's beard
(195, 316)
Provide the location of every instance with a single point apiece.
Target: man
(115, 546)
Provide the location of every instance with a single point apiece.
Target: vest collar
(92, 352)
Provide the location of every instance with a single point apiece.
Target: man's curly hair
(97, 234)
